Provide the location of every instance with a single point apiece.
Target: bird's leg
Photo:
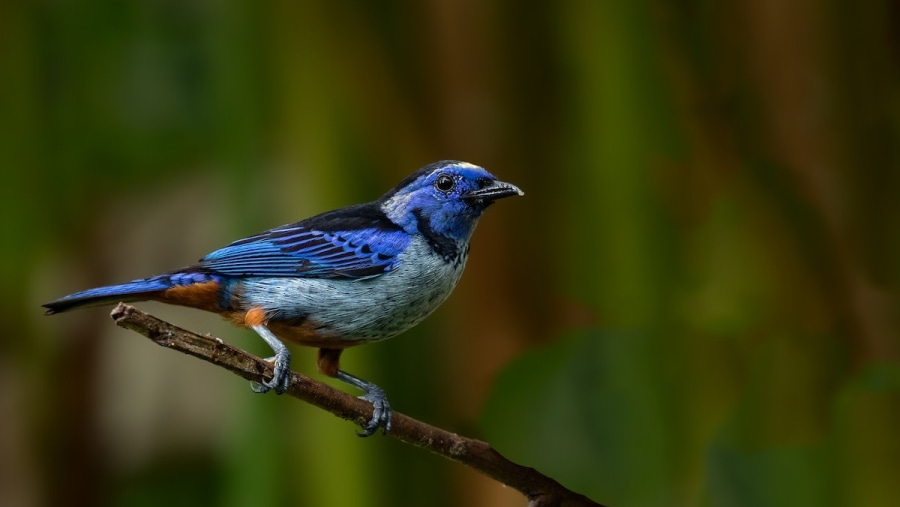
(328, 362)
(282, 377)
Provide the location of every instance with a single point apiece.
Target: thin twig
(540, 490)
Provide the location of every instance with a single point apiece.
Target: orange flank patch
(254, 317)
(203, 296)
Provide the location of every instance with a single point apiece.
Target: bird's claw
(381, 409)
(267, 385)
(281, 379)
(381, 413)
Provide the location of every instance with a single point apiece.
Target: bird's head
(448, 197)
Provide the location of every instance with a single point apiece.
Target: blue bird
(355, 275)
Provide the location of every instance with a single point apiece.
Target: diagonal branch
(540, 490)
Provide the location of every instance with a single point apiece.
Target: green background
(695, 303)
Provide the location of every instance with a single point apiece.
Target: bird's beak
(493, 191)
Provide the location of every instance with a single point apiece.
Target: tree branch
(540, 490)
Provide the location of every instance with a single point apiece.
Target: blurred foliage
(694, 304)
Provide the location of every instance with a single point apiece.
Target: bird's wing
(300, 250)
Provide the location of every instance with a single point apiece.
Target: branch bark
(540, 490)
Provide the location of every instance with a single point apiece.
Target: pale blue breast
(368, 309)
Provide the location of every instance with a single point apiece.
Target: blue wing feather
(301, 249)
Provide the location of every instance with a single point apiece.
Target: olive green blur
(695, 303)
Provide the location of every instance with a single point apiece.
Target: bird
(355, 275)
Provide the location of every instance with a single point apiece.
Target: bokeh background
(694, 304)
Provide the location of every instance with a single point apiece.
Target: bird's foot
(281, 379)
(381, 409)
(381, 413)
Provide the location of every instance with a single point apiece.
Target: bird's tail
(144, 289)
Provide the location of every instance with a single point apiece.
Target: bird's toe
(381, 413)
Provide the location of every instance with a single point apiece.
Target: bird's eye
(444, 183)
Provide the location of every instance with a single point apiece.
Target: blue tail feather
(135, 290)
